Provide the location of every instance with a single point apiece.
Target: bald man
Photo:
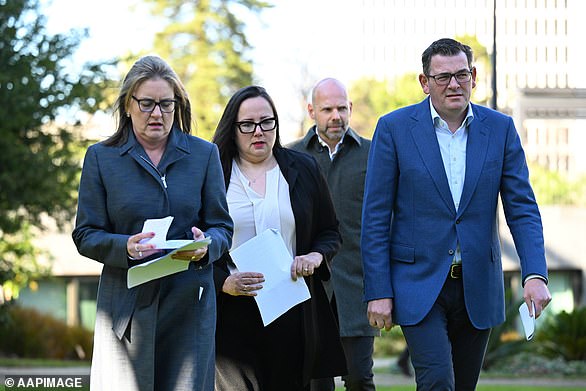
(342, 155)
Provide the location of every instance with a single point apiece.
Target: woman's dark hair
(149, 68)
(225, 135)
(445, 47)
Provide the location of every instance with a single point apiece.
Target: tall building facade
(539, 57)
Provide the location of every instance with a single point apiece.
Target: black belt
(456, 271)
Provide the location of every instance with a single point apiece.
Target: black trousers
(252, 357)
(446, 349)
(358, 352)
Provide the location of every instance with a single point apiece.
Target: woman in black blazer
(269, 186)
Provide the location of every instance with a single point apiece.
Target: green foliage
(39, 160)
(553, 188)
(504, 339)
(482, 62)
(532, 364)
(30, 334)
(563, 335)
(18, 263)
(479, 51)
(206, 45)
(559, 342)
(372, 98)
(390, 343)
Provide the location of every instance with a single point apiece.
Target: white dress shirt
(453, 150)
(253, 213)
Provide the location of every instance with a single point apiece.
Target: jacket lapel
(476, 149)
(425, 139)
(177, 148)
(287, 167)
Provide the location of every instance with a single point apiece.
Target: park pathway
(382, 377)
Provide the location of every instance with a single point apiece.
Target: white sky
(293, 40)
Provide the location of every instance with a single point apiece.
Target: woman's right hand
(137, 250)
(243, 283)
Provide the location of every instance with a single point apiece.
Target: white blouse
(253, 214)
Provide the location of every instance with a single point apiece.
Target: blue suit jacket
(410, 226)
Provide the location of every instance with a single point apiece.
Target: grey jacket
(158, 335)
(345, 175)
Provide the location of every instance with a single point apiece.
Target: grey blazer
(156, 335)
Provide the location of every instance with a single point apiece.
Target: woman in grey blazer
(158, 335)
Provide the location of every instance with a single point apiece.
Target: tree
(39, 161)
(555, 188)
(482, 92)
(372, 98)
(207, 46)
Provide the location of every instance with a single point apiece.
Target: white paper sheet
(528, 321)
(161, 227)
(266, 253)
(165, 265)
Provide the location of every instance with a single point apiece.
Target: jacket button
(458, 221)
(451, 252)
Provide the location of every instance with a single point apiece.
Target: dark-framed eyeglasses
(266, 125)
(148, 105)
(443, 79)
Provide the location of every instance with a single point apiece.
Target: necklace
(253, 179)
(260, 172)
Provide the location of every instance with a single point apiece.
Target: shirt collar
(438, 121)
(324, 144)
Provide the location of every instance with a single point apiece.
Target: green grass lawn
(482, 387)
(37, 362)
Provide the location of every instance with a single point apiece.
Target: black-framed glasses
(148, 105)
(443, 79)
(265, 125)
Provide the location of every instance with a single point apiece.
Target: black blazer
(316, 229)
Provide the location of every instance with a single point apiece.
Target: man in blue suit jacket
(430, 246)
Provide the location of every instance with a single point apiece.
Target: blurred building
(70, 294)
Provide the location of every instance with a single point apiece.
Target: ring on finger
(140, 254)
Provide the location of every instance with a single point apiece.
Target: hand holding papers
(528, 321)
(160, 227)
(165, 265)
(266, 253)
